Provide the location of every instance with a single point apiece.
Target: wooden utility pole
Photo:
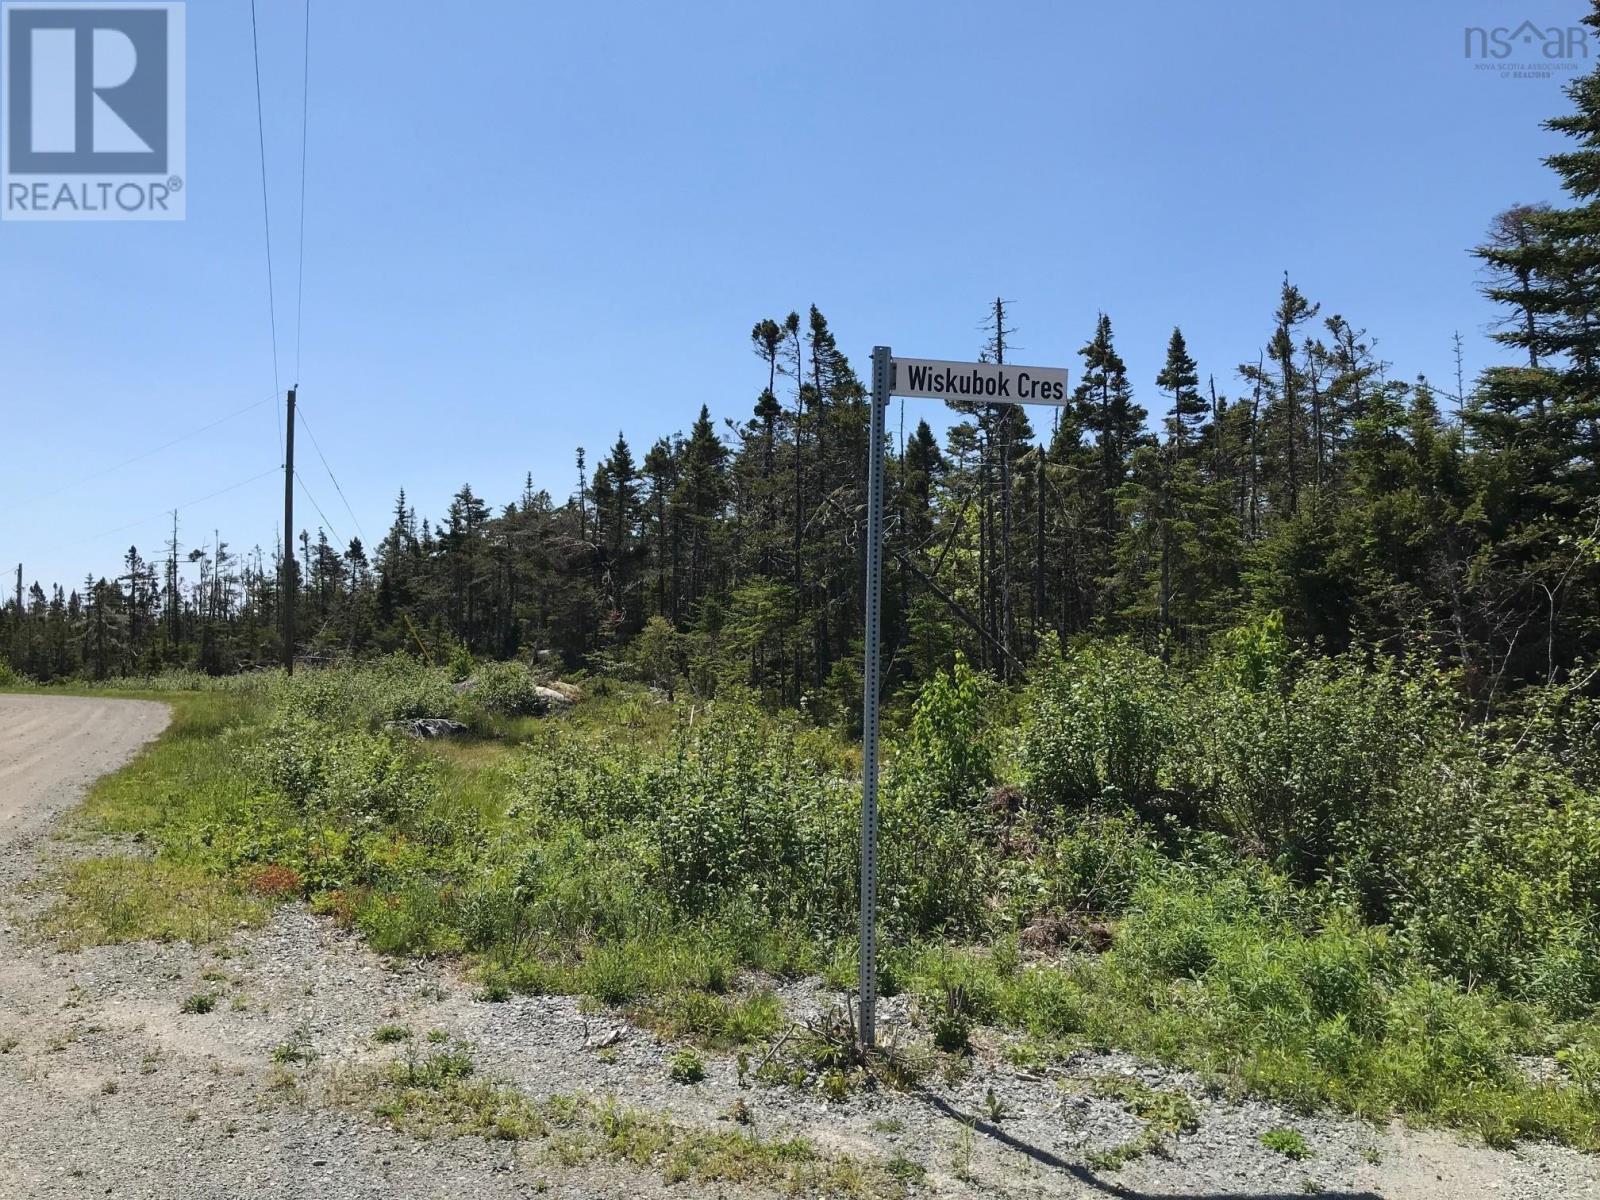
(19, 589)
(174, 606)
(287, 564)
(1006, 614)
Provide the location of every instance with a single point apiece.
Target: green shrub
(947, 745)
(1096, 863)
(350, 778)
(1313, 768)
(386, 689)
(507, 689)
(1101, 723)
(735, 813)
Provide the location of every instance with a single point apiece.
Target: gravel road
(108, 1089)
(52, 747)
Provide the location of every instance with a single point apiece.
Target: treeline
(1309, 480)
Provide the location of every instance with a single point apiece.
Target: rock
(430, 727)
(553, 700)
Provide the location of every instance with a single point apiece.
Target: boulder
(552, 699)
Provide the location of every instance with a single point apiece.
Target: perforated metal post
(869, 702)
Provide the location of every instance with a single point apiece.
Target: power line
(305, 123)
(128, 462)
(266, 212)
(301, 412)
(327, 524)
(166, 512)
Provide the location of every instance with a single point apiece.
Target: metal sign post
(869, 703)
(938, 379)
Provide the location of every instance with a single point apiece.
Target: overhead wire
(326, 524)
(300, 412)
(165, 512)
(128, 462)
(305, 126)
(266, 211)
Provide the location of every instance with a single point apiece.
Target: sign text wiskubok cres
(977, 383)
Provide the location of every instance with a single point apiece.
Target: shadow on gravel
(1087, 1177)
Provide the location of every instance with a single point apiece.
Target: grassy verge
(169, 896)
(653, 856)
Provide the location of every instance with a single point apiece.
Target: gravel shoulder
(107, 1088)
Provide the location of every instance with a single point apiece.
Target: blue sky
(530, 225)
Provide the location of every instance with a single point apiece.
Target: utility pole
(16, 633)
(172, 607)
(287, 563)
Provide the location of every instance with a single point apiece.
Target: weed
(1166, 1110)
(1287, 1142)
(292, 1052)
(386, 1034)
(1114, 1158)
(686, 1067)
(280, 1079)
(952, 1023)
(276, 882)
(905, 1170)
(712, 1021)
(835, 1086)
(117, 899)
(961, 1164)
(580, 1130)
(435, 1071)
(198, 1003)
(496, 988)
(993, 1106)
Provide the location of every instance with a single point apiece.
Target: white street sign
(977, 383)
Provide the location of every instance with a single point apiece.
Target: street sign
(977, 383)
